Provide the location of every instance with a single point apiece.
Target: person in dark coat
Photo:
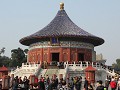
(51, 85)
(77, 83)
(86, 84)
(26, 83)
(100, 86)
(106, 84)
(56, 82)
(41, 85)
(15, 83)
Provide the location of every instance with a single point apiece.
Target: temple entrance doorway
(81, 56)
(55, 57)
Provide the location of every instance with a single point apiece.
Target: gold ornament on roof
(61, 6)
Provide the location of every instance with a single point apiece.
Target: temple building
(63, 48)
(61, 40)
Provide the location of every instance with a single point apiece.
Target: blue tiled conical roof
(62, 26)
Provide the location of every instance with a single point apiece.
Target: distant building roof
(99, 57)
(62, 26)
(3, 68)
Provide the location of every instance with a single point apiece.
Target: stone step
(52, 67)
(50, 72)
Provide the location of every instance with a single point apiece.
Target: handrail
(35, 69)
(38, 71)
(45, 72)
(19, 71)
(66, 70)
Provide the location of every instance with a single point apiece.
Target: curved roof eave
(95, 41)
(62, 26)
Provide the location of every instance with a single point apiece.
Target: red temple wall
(65, 54)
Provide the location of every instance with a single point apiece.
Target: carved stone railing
(25, 70)
(31, 68)
(82, 65)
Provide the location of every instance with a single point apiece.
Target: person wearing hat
(100, 86)
(86, 84)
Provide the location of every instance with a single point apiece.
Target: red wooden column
(69, 54)
(90, 74)
(42, 54)
(49, 56)
(61, 55)
(76, 54)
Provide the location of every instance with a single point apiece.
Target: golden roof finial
(61, 6)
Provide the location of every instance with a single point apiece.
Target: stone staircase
(50, 72)
(63, 72)
(74, 69)
(74, 73)
(42, 73)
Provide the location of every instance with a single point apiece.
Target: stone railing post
(87, 64)
(22, 64)
(74, 65)
(113, 71)
(92, 64)
(81, 66)
(17, 67)
(96, 65)
(67, 62)
(107, 69)
(30, 65)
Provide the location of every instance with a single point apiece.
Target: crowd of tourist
(73, 83)
(45, 83)
(111, 83)
(18, 84)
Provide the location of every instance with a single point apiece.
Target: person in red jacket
(113, 84)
